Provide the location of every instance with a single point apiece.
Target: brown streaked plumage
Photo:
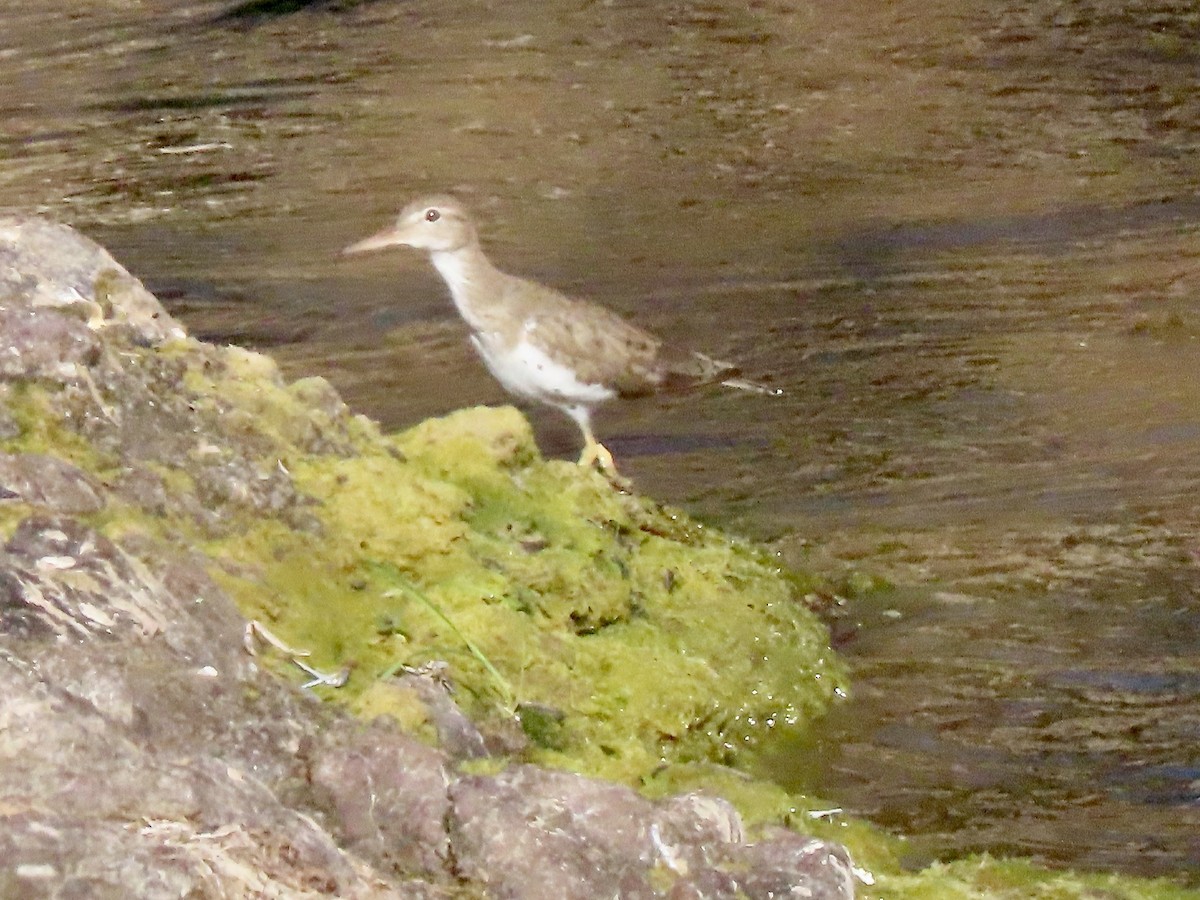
(538, 343)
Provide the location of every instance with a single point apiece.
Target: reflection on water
(966, 242)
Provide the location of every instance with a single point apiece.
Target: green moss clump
(40, 428)
(986, 878)
(651, 638)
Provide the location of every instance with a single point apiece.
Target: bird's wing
(598, 344)
(604, 348)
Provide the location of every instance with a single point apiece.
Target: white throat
(462, 275)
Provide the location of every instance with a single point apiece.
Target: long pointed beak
(389, 237)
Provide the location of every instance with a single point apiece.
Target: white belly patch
(527, 371)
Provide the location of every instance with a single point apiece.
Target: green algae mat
(647, 638)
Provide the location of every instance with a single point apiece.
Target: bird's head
(437, 224)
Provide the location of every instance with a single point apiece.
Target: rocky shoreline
(546, 686)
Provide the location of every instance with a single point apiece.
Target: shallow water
(966, 243)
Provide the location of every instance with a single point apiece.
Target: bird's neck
(473, 281)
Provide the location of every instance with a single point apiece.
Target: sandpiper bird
(539, 344)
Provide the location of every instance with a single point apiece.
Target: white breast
(526, 370)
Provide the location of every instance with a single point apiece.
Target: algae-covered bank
(542, 686)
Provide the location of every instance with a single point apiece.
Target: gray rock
(144, 489)
(93, 808)
(59, 578)
(532, 833)
(776, 867)
(535, 833)
(690, 829)
(48, 481)
(457, 735)
(706, 884)
(47, 265)
(388, 795)
(44, 344)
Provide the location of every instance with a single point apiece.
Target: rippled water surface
(966, 242)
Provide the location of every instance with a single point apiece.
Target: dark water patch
(1179, 683)
(208, 182)
(266, 9)
(876, 252)
(1165, 785)
(19, 142)
(188, 102)
(658, 444)
(254, 11)
(1176, 432)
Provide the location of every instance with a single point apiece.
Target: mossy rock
(656, 638)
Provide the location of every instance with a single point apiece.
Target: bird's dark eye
(432, 215)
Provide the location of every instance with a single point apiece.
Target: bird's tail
(697, 368)
(757, 387)
(729, 375)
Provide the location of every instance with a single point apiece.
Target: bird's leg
(594, 452)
